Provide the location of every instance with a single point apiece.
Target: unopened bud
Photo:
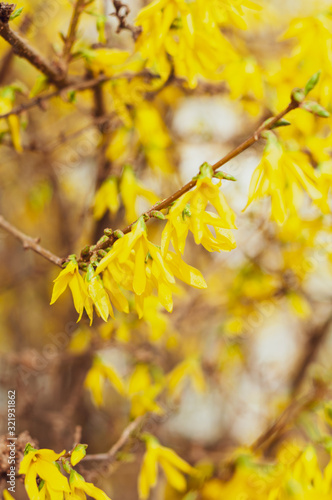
(118, 233)
(157, 214)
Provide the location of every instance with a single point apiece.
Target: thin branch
(125, 436)
(121, 13)
(79, 86)
(267, 125)
(271, 435)
(30, 243)
(314, 342)
(71, 35)
(22, 49)
(8, 57)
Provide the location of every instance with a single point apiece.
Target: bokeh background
(261, 331)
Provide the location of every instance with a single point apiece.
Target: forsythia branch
(30, 243)
(79, 86)
(289, 415)
(266, 125)
(33, 244)
(126, 434)
(71, 35)
(22, 49)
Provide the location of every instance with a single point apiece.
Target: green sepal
(186, 212)
(90, 273)
(148, 256)
(72, 96)
(73, 258)
(141, 222)
(73, 475)
(57, 466)
(41, 484)
(270, 137)
(28, 448)
(312, 82)
(66, 465)
(205, 170)
(177, 23)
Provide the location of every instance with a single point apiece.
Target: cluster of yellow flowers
(187, 35)
(44, 479)
(130, 188)
(286, 176)
(296, 475)
(139, 266)
(52, 483)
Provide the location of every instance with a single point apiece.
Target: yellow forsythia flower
(79, 489)
(142, 392)
(188, 214)
(137, 265)
(41, 463)
(106, 198)
(6, 104)
(297, 475)
(86, 292)
(285, 176)
(7, 495)
(173, 466)
(153, 136)
(70, 276)
(186, 31)
(78, 453)
(188, 369)
(130, 189)
(96, 378)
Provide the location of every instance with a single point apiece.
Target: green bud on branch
(315, 108)
(118, 234)
(281, 123)
(102, 240)
(224, 175)
(85, 252)
(311, 83)
(298, 95)
(16, 13)
(157, 214)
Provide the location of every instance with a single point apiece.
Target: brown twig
(8, 57)
(121, 13)
(126, 434)
(267, 125)
(271, 435)
(71, 35)
(317, 337)
(22, 49)
(30, 243)
(79, 86)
